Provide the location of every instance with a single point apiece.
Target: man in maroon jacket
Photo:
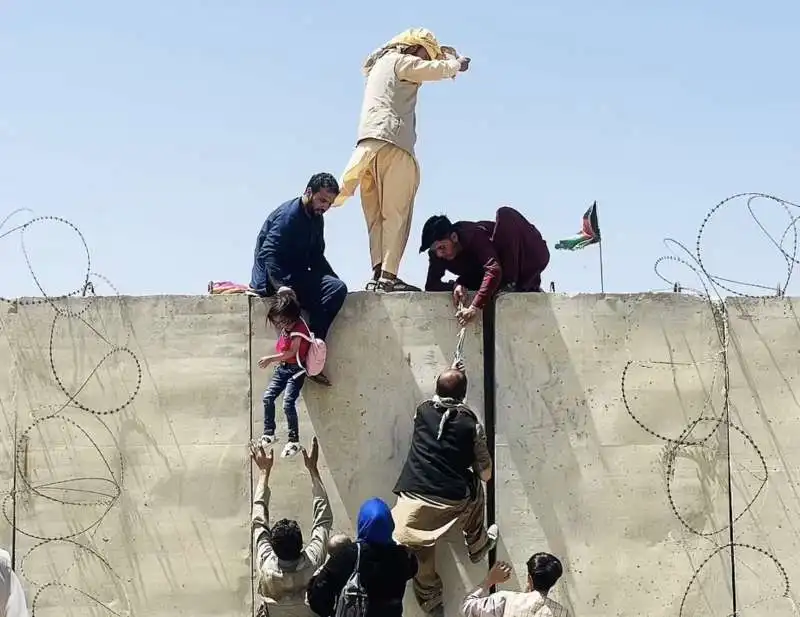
(508, 253)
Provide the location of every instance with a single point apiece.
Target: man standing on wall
(507, 253)
(284, 566)
(290, 252)
(442, 484)
(384, 163)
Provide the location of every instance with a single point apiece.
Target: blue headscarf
(375, 522)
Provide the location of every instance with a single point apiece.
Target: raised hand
(500, 573)
(312, 459)
(264, 459)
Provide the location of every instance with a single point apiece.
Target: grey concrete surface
(159, 489)
(764, 357)
(7, 432)
(579, 477)
(385, 353)
(630, 490)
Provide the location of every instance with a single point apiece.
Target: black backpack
(353, 601)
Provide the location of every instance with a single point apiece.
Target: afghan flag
(589, 233)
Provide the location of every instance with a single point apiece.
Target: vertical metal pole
(489, 386)
(602, 282)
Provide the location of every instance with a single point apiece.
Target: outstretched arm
(323, 515)
(416, 70)
(260, 521)
(485, 253)
(479, 603)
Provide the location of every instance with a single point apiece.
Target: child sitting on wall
(288, 378)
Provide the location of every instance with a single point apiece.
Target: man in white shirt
(12, 598)
(544, 570)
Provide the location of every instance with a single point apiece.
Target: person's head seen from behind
(337, 543)
(452, 384)
(287, 540)
(544, 570)
(375, 522)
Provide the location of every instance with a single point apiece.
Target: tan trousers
(420, 521)
(389, 179)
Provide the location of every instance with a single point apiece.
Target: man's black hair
(436, 228)
(286, 539)
(323, 181)
(545, 570)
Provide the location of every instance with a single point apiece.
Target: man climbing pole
(384, 163)
(508, 253)
(442, 484)
(290, 252)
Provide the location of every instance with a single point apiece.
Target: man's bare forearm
(323, 515)
(261, 500)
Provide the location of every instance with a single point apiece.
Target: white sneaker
(493, 533)
(267, 440)
(292, 448)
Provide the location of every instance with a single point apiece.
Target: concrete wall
(612, 449)
(160, 488)
(385, 355)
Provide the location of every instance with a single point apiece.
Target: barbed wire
(72, 412)
(711, 287)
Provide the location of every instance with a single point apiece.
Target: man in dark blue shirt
(290, 252)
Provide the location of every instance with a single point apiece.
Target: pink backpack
(317, 352)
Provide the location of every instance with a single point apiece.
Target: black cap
(437, 227)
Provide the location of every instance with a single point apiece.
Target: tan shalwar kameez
(422, 519)
(384, 163)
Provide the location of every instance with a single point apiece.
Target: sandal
(393, 285)
(321, 379)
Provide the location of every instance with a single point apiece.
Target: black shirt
(384, 569)
(440, 467)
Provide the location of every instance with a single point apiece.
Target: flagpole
(602, 282)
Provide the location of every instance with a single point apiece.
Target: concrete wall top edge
(645, 295)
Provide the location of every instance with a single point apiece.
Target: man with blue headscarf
(384, 567)
(441, 484)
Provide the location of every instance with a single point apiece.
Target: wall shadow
(574, 465)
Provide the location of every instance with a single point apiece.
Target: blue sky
(167, 131)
